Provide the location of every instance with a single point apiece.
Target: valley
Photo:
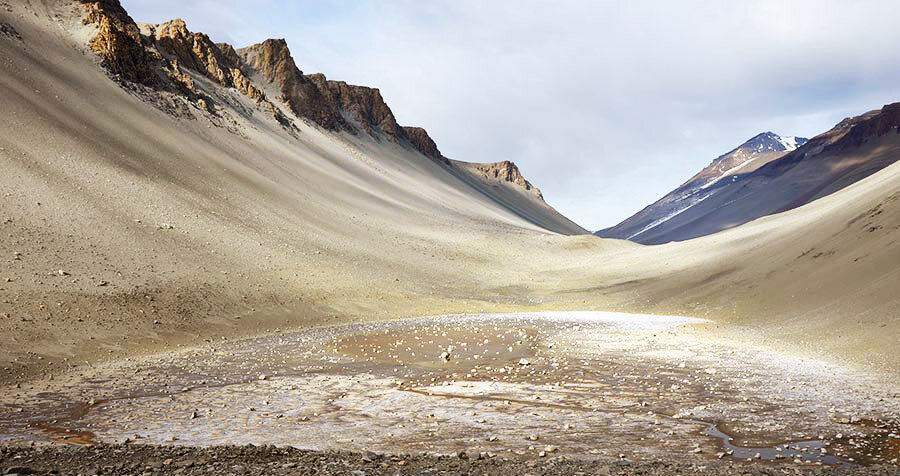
(205, 247)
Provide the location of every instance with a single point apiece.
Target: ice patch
(789, 142)
(676, 212)
(618, 319)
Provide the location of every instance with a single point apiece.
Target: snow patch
(673, 214)
(727, 173)
(789, 142)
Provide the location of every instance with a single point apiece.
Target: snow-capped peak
(789, 142)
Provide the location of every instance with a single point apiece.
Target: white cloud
(604, 105)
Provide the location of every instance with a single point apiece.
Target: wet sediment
(497, 386)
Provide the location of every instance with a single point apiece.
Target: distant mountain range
(765, 175)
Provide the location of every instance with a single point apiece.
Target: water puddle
(586, 385)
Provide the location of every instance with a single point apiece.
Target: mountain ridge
(853, 149)
(751, 154)
(159, 56)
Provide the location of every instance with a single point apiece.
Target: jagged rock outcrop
(217, 61)
(423, 142)
(118, 41)
(363, 104)
(334, 105)
(272, 60)
(506, 171)
(151, 54)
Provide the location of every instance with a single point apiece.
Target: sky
(604, 105)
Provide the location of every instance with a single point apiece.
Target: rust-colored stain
(58, 433)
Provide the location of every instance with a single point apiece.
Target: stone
(505, 171)
(18, 470)
(118, 41)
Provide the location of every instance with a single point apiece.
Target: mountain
(160, 190)
(650, 224)
(168, 57)
(767, 175)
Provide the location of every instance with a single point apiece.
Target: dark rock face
(118, 41)
(847, 135)
(364, 105)
(272, 60)
(420, 139)
(333, 105)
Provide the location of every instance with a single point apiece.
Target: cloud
(604, 105)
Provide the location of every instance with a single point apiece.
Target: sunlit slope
(136, 219)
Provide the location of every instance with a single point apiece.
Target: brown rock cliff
(272, 60)
(118, 41)
(423, 142)
(506, 171)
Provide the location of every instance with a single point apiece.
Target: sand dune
(135, 222)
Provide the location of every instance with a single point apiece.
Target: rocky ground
(239, 460)
(582, 386)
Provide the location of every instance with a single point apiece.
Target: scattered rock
(18, 470)
(9, 31)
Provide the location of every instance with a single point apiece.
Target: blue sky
(605, 106)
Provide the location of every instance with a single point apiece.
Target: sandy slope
(171, 230)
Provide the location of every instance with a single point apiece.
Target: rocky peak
(193, 50)
(753, 153)
(770, 142)
(506, 171)
(118, 41)
(334, 105)
(158, 55)
(272, 60)
(217, 61)
(364, 106)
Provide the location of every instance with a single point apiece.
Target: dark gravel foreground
(269, 460)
